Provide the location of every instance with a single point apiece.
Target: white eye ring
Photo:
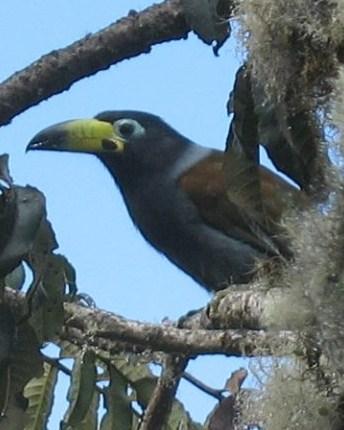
(129, 128)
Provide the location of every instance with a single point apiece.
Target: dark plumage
(176, 194)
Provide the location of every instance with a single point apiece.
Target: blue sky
(180, 81)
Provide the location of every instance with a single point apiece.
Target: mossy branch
(111, 333)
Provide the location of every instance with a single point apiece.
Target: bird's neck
(162, 161)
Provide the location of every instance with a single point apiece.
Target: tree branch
(161, 401)
(110, 332)
(216, 393)
(243, 308)
(57, 71)
(239, 308)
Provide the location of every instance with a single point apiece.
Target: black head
(118, 138)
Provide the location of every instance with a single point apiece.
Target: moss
(292, 47)
(290, 400)
(297, 394)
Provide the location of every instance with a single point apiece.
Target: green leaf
(46, 297)
(138, 375)
(132, 367)
(141, 379)
(46, 293)
(180, 419)
(144, 388)
(70, 275)
(4, 170)
(90, 422)
(26, 359)
(21, 212)
(40, 393)
(25, 363)
(81, 391)
(119, 415)
(68, 349)
(7, 334)
(16, 278)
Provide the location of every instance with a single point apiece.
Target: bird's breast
(160, 211)
(170, 221)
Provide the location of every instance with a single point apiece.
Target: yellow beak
(81, 135)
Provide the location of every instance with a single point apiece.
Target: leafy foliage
(81, 391)
(40, 394)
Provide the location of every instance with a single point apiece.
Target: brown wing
(206, 186)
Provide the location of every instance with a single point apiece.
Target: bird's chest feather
(158, 206)
(161, 211)
(170, 221)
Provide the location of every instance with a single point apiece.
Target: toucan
(178, 195)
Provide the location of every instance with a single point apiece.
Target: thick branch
(241, 308)
(111, 333)
(100, 329)
(238, 308)
(57, 71)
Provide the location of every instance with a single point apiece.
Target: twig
(161, 402)
(55, 362)
(218, 394)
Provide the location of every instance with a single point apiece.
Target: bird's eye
(126, 129)
(129, 128)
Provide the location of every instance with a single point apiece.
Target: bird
(177, 195)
